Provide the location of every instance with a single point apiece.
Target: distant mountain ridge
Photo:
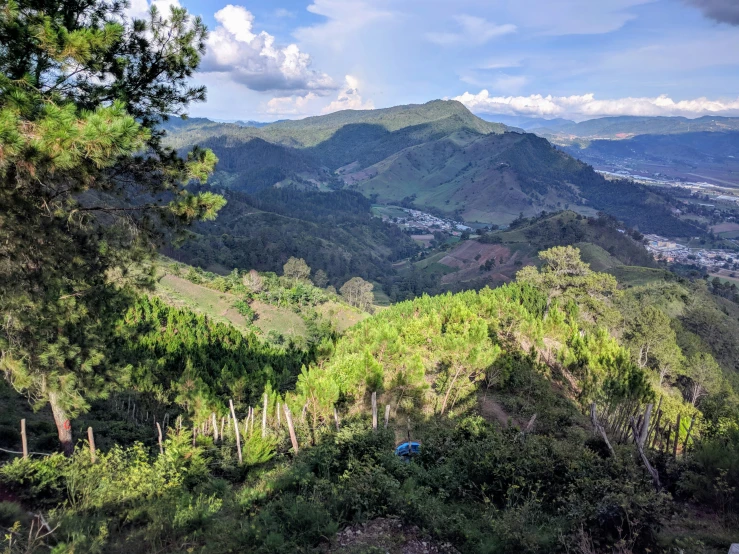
(612, 127)
(436, 157)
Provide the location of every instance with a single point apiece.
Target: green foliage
(245, 310)
(566, 277)
(296, 269)
(182, 357)
(358, 293)
(78, 155)
(333, 232)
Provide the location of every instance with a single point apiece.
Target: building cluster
(422, 220)
(718, 192)
(670, 251)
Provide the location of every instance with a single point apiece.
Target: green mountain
(436, 156)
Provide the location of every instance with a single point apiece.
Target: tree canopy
(87, 187)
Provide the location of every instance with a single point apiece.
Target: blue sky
(273, 59)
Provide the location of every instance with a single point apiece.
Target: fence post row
(236, 429)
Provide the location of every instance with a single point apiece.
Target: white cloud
(291, 105)
(349, 98)
(139, 9)
(282, 12)
(345, 18)
(472, 30)
(253, 59)
(587, 106)
(574, 17)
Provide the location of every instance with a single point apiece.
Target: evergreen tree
(87, 186)
(565, 276)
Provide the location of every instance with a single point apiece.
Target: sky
(577, 59)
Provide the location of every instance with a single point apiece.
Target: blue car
(408, 449)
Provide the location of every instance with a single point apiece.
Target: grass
(343, 316)
(387, 211)
(598, 258)
(636, 276)
(219, 306)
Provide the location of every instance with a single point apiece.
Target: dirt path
(491, 410)
(388, 535)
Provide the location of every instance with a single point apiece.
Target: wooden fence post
(645, 425)
(264, 416)
(652, 471)
(387, 415)
(687, 437)
(236, 429)
(669, 435)
(289, 419)
(215, 426)
(336, 418)
(677, 437)
(24, 439)
(656, 427)
(159, 429)
(374, 410)
(91, 440)
(252, 418)
(223, 421)
(279, 416)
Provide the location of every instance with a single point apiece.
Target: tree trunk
(63, 425)
(449, 390)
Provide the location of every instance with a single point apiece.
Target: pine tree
(87, 186)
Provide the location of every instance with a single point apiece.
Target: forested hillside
(495, 385)
(436, 156)
(334, 232)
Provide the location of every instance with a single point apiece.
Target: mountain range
(437, 157)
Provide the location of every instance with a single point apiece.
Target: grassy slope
(219, 306)
(481, 176)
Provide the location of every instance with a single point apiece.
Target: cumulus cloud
(587, 106)
(472, 30)
(253, 59)
(349, 98)
(723, 11)
(291, 105)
